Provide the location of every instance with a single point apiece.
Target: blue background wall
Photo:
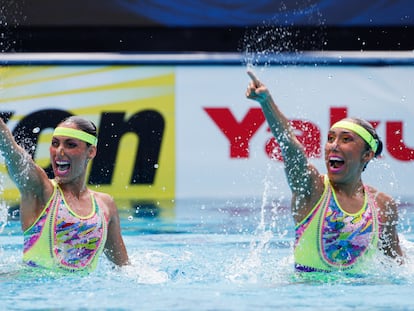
(186, 25)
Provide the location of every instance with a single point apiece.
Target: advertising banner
(232, 150)
(187, 131)
(133, 108)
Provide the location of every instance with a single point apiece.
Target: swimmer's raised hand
(256, 90)
(255, 80)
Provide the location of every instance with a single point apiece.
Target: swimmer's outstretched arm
(301, 175)
(27, 176)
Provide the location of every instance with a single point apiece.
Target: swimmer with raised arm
(66, 226)
(339, 221)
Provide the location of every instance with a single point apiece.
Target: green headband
(361, 131)
(74, 133)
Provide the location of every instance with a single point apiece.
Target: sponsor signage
(187, 131)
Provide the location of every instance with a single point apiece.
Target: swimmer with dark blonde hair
(340, 222)
(66, 226)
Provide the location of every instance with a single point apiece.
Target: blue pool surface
(207, 255)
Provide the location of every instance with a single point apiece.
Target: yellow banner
(132, 106)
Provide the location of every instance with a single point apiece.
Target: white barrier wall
(316, 94)
(215, 142)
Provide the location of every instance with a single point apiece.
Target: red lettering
(238, 133)
(308, 134)
(395, 142)
(337, 114)
(272, 149)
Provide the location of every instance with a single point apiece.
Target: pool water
(207, 255)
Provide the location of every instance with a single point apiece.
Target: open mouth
(62, 167)
(336, 163)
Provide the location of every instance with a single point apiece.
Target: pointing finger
(255, 80)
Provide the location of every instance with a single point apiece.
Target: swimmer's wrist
(265, 99)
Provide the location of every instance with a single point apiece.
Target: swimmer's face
(345, 153)
(69, 156)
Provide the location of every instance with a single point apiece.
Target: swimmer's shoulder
(104, 201)
(385, 202)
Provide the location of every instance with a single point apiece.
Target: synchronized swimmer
(66, 226)
(339, 221)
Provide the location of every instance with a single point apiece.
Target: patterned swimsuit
(61, 239)
(330, 239)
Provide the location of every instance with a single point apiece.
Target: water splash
(265, 43)
(3, 215)
(252, 269)
(145, 268)
(10, 16)
(4, 209)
